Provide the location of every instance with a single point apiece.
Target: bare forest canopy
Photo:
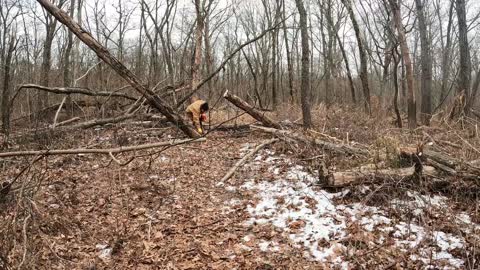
(414, 56)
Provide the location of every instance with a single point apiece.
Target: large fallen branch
(120, 68)
(450, 165)
(244, 159)
(75, 90)
(333, 147)
(107, 151)
(240, 103)
(369, 173)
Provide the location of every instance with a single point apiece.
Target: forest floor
(168, 209)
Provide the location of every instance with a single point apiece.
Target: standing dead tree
(120, 68)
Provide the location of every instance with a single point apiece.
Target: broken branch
(240, 103)
(245, 158)
(75, 90)
(333, 147)
(107, 151)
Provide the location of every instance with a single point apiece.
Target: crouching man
(197, 113)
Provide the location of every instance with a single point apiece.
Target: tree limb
(244, 158)
(75, 90)
(106, 151)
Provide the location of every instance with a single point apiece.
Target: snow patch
(310, 218)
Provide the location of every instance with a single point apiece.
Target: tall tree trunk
(67, 70)
(396, 61)
(199, 29)
(363, 56)
(412, 106)
(289, 56)
(475, 86)
(329, 83)
(42, 100)
(305, 86)
(426, 59)
(326, 63)
(446, 55)
(6, 85)
(208, 56)
(464, 75)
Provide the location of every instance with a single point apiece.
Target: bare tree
(50, 30)
(363, 56)
(464, 73)
(426, 62)
(402, 39)
(305, 87)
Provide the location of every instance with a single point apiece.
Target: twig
(68, 121)
(58, 112)
(25, 223)
(247, 156)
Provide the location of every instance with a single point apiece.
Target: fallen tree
(240, 103)
(416, 155)
(333, 147)
(119, 67)
(107, 151)
(370, 173)
(448, 164)
(75, 90)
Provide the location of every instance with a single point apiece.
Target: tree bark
(446, 56)
(67, 71)
(197, 60)
(369, 173)
(412, 107)
(6, 108)
(426, 63)
(305, 85)
(125, 73)
(288, 56)
(240, 103)
(75, 90)
(396, 61)
(464, 75)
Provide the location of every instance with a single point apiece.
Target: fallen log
(446, 163)
(244, 159)
(333, 147)
(240, 103)
(71, 120)
(119, 67)
(75, 90)
(369, 173)
(107, 151)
